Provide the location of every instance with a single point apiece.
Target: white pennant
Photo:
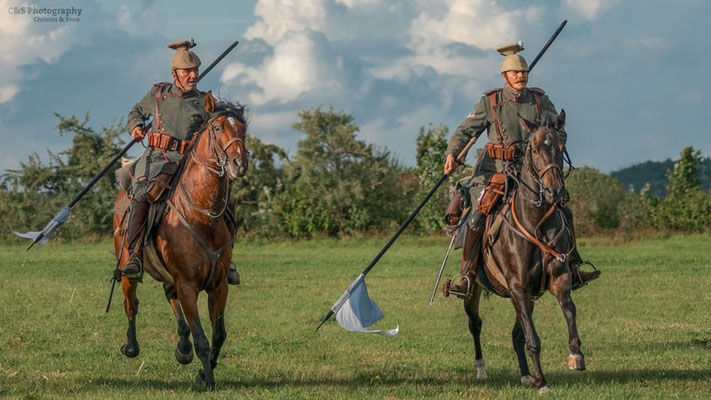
(355, 311)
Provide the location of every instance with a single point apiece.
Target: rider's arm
(141, 111)
(472, 127)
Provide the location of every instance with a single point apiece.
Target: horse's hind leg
(524, 311)
(184, 349)
(188, 301)
(560, 288)
(471, 307)
(216, 302)
(130, 305)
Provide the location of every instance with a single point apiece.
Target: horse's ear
(527, 125)
(559, 122)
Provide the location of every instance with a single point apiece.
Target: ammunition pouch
(502, 151)
(159, 182)
(492, 193)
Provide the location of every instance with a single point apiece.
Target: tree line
(335, 184)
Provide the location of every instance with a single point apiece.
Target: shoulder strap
(497, 124)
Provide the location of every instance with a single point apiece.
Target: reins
(546, 248)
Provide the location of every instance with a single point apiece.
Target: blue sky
(631, 75)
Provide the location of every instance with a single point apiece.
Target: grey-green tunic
(175, 113)
(507, 106)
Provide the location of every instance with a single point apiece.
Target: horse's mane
(237, 110)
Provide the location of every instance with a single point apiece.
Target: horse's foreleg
(216, 302)
(519, 344)
(524, 313)
(130, 305)
(184, 349)
(188, 301)
(472, 309)
(560, 288)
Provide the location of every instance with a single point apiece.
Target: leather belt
(167, 142)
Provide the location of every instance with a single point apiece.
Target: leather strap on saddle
(167, 142)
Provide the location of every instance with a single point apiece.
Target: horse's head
(544, 158)
(225, 146)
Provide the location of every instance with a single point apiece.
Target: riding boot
(468, 274)
(579, 277)
(136, 226)
(233, 275)
(231, 212)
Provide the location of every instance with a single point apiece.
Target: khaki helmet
(513, 61)
(183, 57)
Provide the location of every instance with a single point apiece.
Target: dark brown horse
(530, 254)
(193, 240)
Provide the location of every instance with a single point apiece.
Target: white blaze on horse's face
(237, 164)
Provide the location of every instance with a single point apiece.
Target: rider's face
(186, 78)
(517, 79)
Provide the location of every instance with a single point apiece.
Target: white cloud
(301, 62)
(23, 42)
(591, 9)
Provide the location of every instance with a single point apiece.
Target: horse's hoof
(543, 389)
(200, 380)
(480, 369)
(527, 380)
(130, 353)
(576, 362)
(184, 358)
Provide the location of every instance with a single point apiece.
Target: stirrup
(579, 282)
(463, 278)
(134, 274)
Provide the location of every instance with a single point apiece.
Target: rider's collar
(177, 91)
(513, 94)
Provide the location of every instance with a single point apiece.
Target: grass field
(644, 324)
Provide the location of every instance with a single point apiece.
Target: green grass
(644, 324)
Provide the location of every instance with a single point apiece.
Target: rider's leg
(579, 277)
(470, 261)
(232, 274)
(134, 238)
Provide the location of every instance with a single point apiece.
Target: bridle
(546, 248)
(221, 158)
(537, 177)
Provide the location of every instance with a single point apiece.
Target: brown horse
(194, 241)
(530, 253)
